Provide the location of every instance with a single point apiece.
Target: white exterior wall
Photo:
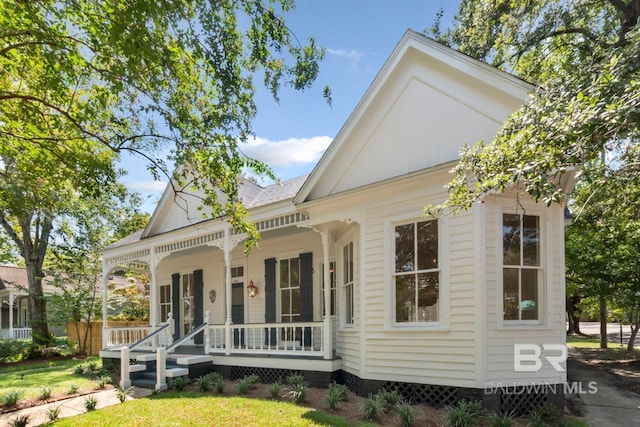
(501, 336)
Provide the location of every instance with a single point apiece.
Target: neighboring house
(351, 282)
(14, 302)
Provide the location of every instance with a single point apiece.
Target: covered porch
(14, 306)
(218, 310)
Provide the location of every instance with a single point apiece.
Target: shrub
(92, 365)
(298, 392)
(53, 413)
(295, 379)
(504, 420)
(465, 413)
(274, 390)
(372, 408)
(122, 393)
(73, 388)
(90, 403)
(203, 383)
(214, 376)
(334, 397)
(405, 414)
(218, 385)
(11, 350)
(102, 381)
(79, 369)
(546, 414)
(10, 399)
(180, 383)
(244, 386)
(341, 389)
(20, 421)
(389, 398)
(45, 392)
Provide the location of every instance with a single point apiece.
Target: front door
(237, 312)
(187, 302)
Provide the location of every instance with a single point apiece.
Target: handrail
(151, 335)
(189, 335)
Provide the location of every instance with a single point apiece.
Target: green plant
(341, 389)
(53, 413)
(92, 365)
(504, 420)
(45, 392)
(546, 414)
(203, 383)
(295, 379)
(73, 388)
(244, 386)
(122, 393)
(252, 379)
(180, 383)
(298, 392)
(218, 385)
(78, 370)
(464, 414)
(20, 421)
(389, 398)
(333, 398)
(372, 408)
(405, 413)
(214, 376)
(274, 390)
(90, 403)
(10, 399)
(102, 381)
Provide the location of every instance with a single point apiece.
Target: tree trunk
(603, 321)
(634, 324)
(573, 315)
(37, 303)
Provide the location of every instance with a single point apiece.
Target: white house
(351, 282)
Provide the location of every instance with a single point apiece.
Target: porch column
(105, 308)
(153, 291)
(11, 314)
(228, 247)
(327, 338)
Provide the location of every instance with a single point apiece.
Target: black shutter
(270, 299)
(306, 293)
(175, 304)
(198, 315)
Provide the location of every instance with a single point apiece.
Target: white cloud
(350, 54)
(146, 185)
(289, 152)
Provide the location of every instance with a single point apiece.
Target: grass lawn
(589, 347)
(196, 409)
(59, 375)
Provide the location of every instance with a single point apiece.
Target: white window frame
(442, 324)
(543, 269)
(348, 286)
(166, 304)
(333, 285)
(278, 282)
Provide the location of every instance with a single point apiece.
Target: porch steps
(147, 379)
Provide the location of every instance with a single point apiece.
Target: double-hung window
(347, 282)
(416, 275)
(521, 272)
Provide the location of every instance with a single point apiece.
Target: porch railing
(140, 336)
(302, 338)
(21, 333)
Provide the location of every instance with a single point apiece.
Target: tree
(583, 56)
(82, 81)
(75, 259)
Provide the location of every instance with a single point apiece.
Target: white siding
(502, 336)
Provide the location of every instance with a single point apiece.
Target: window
(165, 302)
(188, 308)
(290, 290)
(416, 272)
(521, 266)
(347, 282)
(237, 274)
(332, 287)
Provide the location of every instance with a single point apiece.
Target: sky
(358, 36)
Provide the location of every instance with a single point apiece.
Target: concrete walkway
(604, 403)
(38, 415)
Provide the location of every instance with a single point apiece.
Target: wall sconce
(252, 289)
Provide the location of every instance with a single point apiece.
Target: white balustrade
(302, 338)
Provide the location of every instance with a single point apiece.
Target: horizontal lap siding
(501, 338)
(420, 356)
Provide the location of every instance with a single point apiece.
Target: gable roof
(413, 100)
(251, 194)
